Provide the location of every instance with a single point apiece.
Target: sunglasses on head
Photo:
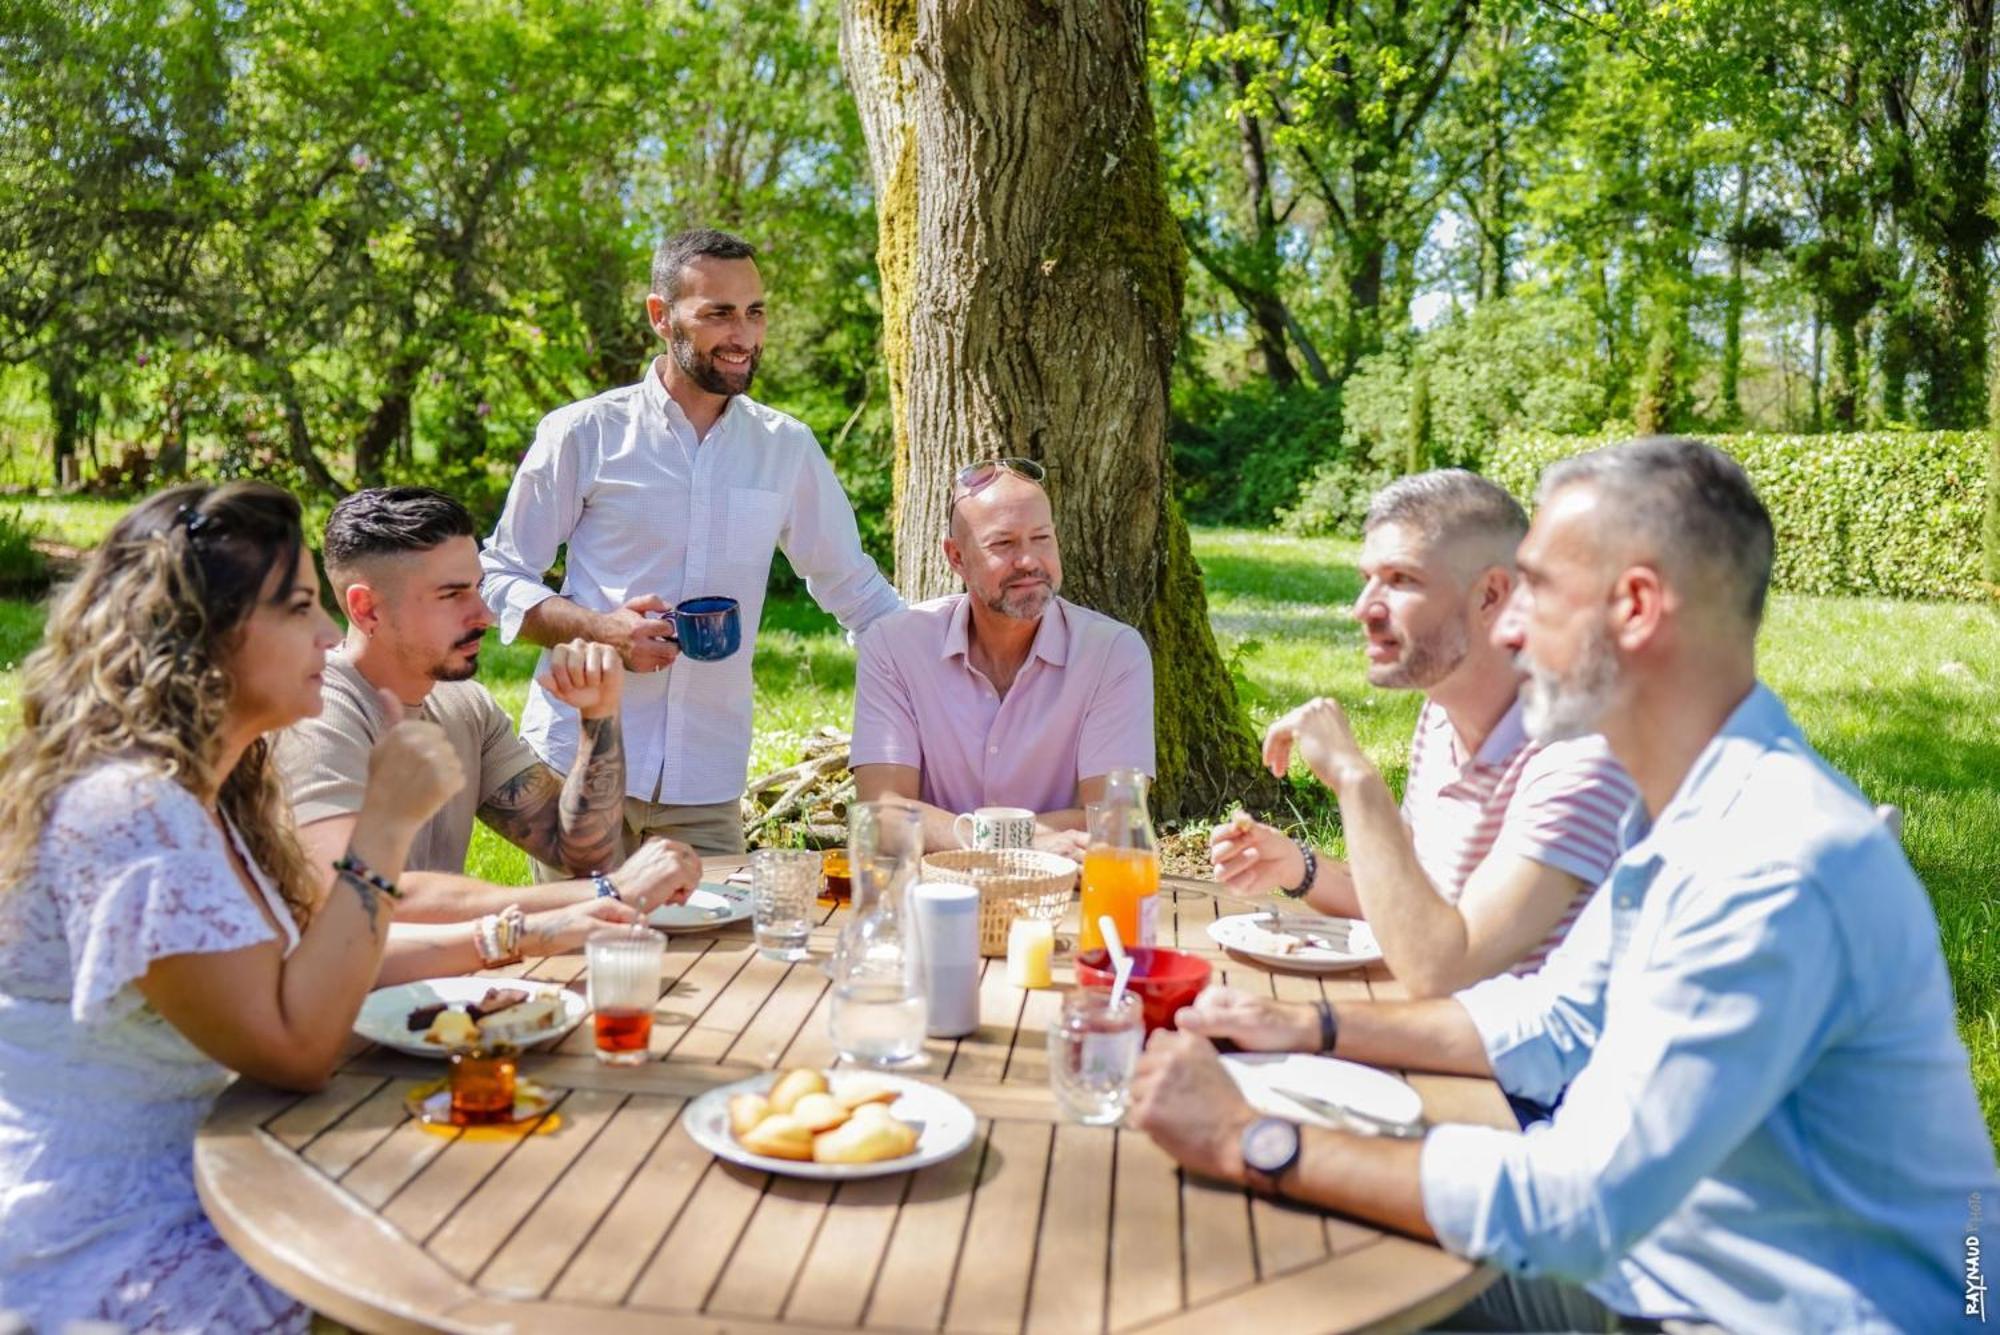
(977, 476)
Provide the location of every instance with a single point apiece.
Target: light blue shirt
(1769, 1120)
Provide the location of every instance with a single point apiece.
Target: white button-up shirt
(645, 507)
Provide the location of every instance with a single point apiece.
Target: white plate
(1260, 1074)
(945, 1126)
(1239, 932)
(710, 906)
(385, 1015)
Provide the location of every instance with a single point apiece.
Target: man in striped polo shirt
(1498, 840)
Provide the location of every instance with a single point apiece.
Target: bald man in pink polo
(1004, 695)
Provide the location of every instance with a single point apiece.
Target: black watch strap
(1312, 872)
(1329, 1028)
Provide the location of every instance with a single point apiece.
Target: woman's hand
(553, 931)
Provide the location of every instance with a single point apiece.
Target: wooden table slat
(610, 1260)
(1145, 1235)
(550, 1236)
(761, 1272)
(1215, 1239)
(990, 1290)
(298, 1124)
(346, 1142)
(915, 1280)
(493, 1213)
(442, 1185)
(764, 1040)
(1068, 1293)
(691, 1259)
(839, 1273)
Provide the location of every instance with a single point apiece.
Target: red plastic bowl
(1164, 979)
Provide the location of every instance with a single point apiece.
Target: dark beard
(450, 671)
(701, 368)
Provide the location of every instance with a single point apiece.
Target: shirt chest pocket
(753, 519)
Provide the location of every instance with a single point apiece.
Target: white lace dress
(99, 1096)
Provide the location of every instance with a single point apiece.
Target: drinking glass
(783, 884)
(482, 1086)
(1093, 1051)
(624, 987)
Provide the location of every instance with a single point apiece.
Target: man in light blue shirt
(1767, 1119)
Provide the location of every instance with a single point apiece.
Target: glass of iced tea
(836, 880)
(482, 1086)
(624, 986)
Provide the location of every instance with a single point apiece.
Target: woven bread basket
(1013, 883)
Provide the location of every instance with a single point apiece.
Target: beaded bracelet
(349, 865)
(1311, 860)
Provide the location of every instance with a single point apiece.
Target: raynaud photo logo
(1975, 1274)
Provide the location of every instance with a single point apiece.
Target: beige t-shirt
(324, 761)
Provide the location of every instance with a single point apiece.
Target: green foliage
(339, 243)
(1241, 455)
(22, 568)
(1522, 362)
(1891, 513)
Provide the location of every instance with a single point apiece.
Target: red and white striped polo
(1559, 805)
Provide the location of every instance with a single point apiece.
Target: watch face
(1270, 1144)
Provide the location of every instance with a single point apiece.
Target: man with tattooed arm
(404, 565)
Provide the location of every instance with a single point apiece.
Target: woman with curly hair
(159, 927)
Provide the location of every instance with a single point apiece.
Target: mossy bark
(1032, 276)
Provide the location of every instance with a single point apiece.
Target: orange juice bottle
(1121, 867)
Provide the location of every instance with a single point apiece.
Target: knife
(1356, 1119)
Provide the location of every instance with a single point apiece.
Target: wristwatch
(1270, 1145)
(1311, 860)
(605, 889)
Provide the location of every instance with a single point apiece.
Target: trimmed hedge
(1896, 514)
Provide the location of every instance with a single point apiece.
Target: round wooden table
(617, 1221)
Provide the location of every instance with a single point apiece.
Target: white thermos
(948, 926)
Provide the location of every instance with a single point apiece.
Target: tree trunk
(65, 416)
(1732, 310)
(298, 436)
(1957, 385)
(379, 435)
(1844, 386)
(1031, 278)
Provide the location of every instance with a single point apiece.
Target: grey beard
(1554, 710)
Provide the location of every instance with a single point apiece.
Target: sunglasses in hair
(975, 477)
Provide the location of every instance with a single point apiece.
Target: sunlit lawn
(1898, 695)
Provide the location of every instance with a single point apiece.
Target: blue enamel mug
(708, 629)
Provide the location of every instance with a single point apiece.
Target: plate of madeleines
(830, 1125)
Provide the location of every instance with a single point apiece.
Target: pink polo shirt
(1081, 706)
(1558, 804)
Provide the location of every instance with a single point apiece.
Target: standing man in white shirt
(677, 487)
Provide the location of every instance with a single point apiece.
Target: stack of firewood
(803, 803)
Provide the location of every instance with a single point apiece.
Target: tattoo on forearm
(371, 900)
(593, 800)
(575, 824)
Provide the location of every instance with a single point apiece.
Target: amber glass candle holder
(482, 1085)
(837, 885)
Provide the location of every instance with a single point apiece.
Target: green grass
(1897, 695)
(78, 522)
